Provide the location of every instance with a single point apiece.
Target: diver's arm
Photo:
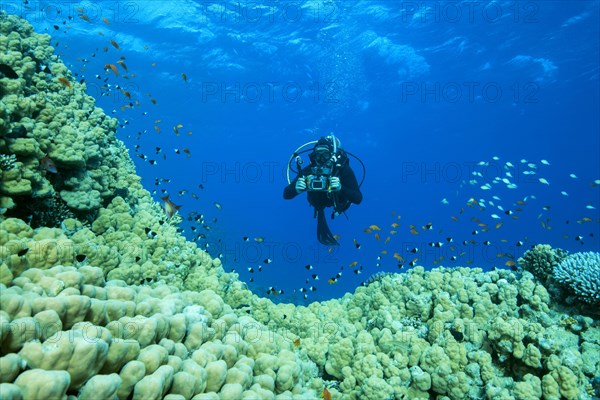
(289, 192)
(350, 189)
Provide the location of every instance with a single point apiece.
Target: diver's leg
(323, 233)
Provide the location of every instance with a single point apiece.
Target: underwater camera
(317, 182)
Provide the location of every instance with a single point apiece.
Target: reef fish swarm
(95, 307)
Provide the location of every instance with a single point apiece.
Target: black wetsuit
(340, 200)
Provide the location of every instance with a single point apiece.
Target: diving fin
(323, 233)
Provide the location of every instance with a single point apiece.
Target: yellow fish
(176, 129)
(170, 207)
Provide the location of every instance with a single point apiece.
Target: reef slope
(102, 298)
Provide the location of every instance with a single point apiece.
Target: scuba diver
(328, 180)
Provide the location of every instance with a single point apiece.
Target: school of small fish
(485, 209)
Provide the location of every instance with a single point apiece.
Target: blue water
(424, 93)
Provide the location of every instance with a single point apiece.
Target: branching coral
(50, 212)
(580, 273)
(7, 162)
(376, 277)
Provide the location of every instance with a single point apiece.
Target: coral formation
(7, 162)
(94, 307)
(580, 272)
(57, 142)
(541, 260)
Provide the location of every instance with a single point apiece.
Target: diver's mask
(322, 161)
(322, 155)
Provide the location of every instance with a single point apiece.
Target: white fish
(545, 162)
(486, 187)
(506, 181)
(564, 193)
(495, 216)
(496, 197)
(445, 201)
(509, 164)
(532, 165)
(597, 181)
(500, 208)
(590, 207)
(523, 161)
(544, 181)
(495, 158)
(481, 163)
(573, 176)
(509, 174)
(511, 186)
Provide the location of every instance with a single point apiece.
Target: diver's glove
(335, 184)
(300, 185)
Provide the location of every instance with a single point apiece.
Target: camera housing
(317, 183)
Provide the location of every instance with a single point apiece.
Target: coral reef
(7, 162)
(94, 307)
(488, 335)
(53, 136)
(118, 339)
(580, 273)
(541, 260)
